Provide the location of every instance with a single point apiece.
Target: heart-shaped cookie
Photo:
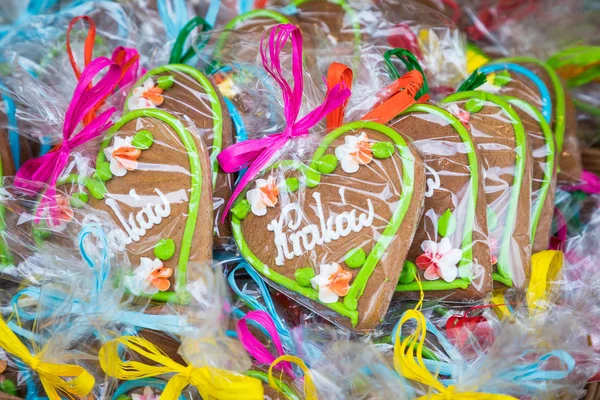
(450, 252)
(530, 98)
(186, 93)
(564, 118)
(336, 231)
(506, 157)
(153, 179)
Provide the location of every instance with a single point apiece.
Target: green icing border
(284, 389)
(5, 255)
(504, 274)
(348, 10)
(215, 106)
(467, 244)
(231, 25)
(349, 306)
(536, 208)
(180, 294)
(560, 107)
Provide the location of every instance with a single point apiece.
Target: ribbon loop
(257, 153)
(177, 54)
(338, 74)
(50, 374)
(410, 61)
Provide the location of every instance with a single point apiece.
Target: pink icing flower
(147, 395)
(439, 260)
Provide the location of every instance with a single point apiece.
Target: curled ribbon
(51, 375)
(211, 382)
(310, 390)
(545, 268)
(256, 154)
(255, 348)
(408, 362)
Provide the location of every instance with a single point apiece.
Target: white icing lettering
(432, 184)
(136, 226)
(313, 235)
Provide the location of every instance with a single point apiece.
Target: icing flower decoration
(122, 156)
(265, 195)
(439, 260)
(57, 216)
(354, 152)
(493, 244)
(333, 281)
(146, 95)
(147, 395)
(150, 277)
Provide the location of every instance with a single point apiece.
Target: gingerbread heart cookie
(450, 252)
(564, 118)
(186, 93)
(530, 98)
(504, 150)
(336, 232)
(153, 178)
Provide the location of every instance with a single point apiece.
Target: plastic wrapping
(506, 157)
(530, 98)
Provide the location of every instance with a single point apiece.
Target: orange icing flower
(127, 156)
(265, 195)
(159, 278)
(122, 156)
(147, 95)
(65, 212)
(332, 282)
(356, 151)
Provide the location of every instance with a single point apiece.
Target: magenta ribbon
(258, 350)
(132, 73)
(256, 153)
(47, 169)
(590, 184)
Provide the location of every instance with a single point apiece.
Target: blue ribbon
(128, 386)
(212, 12)
(174, 15)
(253, 304)
(529, 74)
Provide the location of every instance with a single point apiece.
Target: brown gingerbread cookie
(186, 93)
(530, 98)
(450, 252)
(153, 178)
(564, 118)
(6, 160)
(505, 154)
(336, 231)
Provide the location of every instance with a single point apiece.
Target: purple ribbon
(256, 153)
(258, 350)
(47, 169)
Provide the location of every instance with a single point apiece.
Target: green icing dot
(502, 78)
(96, 188)
(7, 386)
(409, 272)
(103, 171)
(474, 105)
(355, 258)
(124, 397)
(78, 199)
(164, 249)
(327, 164)
(382, 149)
(292, 184)
(142, 140)
(304, 275)
(241, 209)
(447, 224)
(312, 177)
(166, 82)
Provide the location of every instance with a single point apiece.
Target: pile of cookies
(211, 219)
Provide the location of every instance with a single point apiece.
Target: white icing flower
(439, 260)
(149, 278)
(122, 156)
(265, 195)
(333, 281)
(354, 152)
(145, 96)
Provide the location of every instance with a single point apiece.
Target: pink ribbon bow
(255, 348)
(47, 169)
(258, 152)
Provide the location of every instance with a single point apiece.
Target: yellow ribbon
(310, 391)
(475, 60)
(408, 362)
(545, 267)
(212, 383)
(50, 374)
(498, 299)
